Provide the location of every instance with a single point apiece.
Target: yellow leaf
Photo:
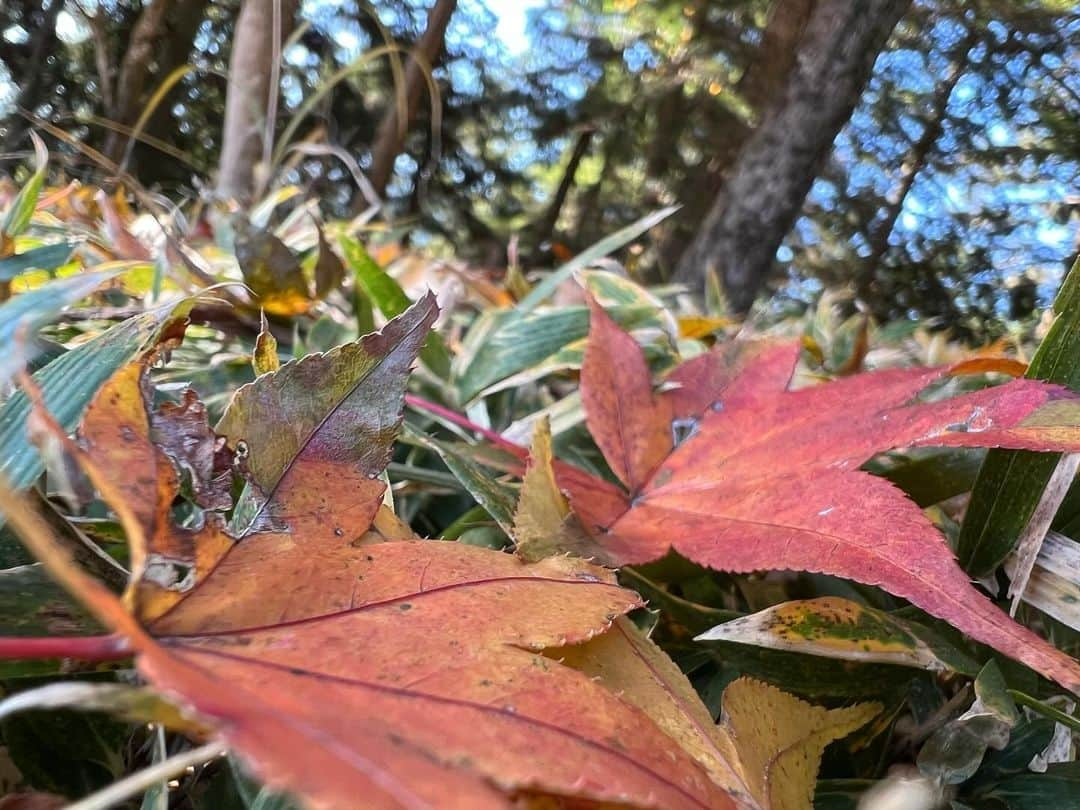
(780, 739)
(265, 357)
(699, 326)
(633, 667)
(543, 524)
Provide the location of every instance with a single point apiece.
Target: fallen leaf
(329, 269)
(780, 740)
(839, 628)
(410, 673)
(271, 270)
(629, 424)
(759, 477)
(628, 663)
(264, 358)
(543, 524)
(632, 666)
(182, 430)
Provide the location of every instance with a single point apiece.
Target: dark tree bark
(775, 168)
(251, 76)
(160, 42)
(545, 226)
(762, 82)
(390, 136)
(31, 73)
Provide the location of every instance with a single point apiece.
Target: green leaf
(45, 257)
(1057, 788)
(21, 211)
(384, 291)
(31, 604)
(955, 751)
(66, 752)
(1028, 739)
(29, 310)
(1011, 482)
(930, 475)
(70, 382)
(505, 342)
(693, 617)
(608, 244)
(498, 499)
(839, 628)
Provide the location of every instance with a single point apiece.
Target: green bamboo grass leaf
(842, 629)
(29, 310)
(1057, 787)
(31, 604)
(613, 291)
(1011, 482)
(45, 257)
(695, 618)
(1045, 709)
(386, 294)
(542, 291)
(70, 382)
(504, 343)
(21, 210)
(498, 499)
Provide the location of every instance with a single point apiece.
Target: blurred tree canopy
(923, 152)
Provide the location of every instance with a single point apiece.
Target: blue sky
(513, 16)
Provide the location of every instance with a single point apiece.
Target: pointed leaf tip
(769, 478)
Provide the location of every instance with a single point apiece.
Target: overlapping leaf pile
(342, 658)
(769, 478)
(277, 597)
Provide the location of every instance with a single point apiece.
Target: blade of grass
(1011, 482)
(602, 248)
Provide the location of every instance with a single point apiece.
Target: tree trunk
(33, 76)
(545, 226)
(160, 41)
(390, 136)
(761, 83)
(775, 168)
(251, 71)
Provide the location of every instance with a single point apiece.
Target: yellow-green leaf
(839, 628)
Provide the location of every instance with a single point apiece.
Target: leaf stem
(421, 404)
(83, 648)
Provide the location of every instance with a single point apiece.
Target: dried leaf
(140, 483)
(780, 740)
(264, 358)
(839, 628)
(543, 524)
(321, 428)
(410, 673)
(1029, 543)
(630, 665)
(768, 478)
(271, 270)
(329, 269)
(183, 432)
